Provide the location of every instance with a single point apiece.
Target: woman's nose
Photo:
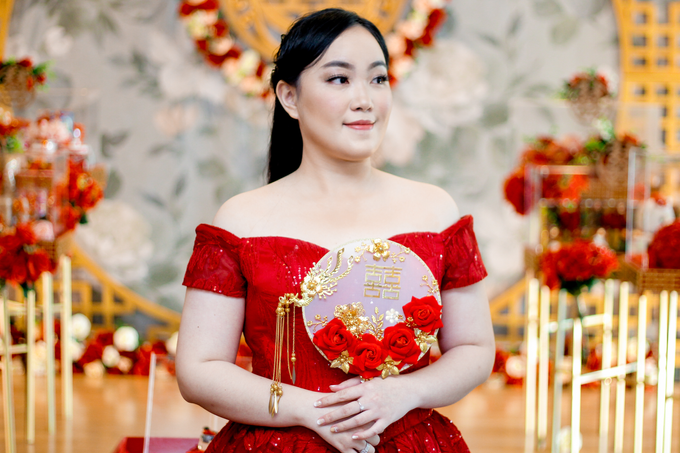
(361, 98)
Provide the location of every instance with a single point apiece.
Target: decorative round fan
(371, 307)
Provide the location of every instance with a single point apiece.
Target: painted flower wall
(178, 141)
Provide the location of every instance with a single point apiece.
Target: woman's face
(343, 100)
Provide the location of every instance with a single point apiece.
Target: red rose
(367, 354)
(333, 339)
(26, 63)
(401, 343)
(425, 312)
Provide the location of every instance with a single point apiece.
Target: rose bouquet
(382, 352)
(576, 265)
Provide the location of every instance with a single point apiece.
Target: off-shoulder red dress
(263, 268)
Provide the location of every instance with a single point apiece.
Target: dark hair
(306, 41)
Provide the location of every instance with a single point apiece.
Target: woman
(333, 101)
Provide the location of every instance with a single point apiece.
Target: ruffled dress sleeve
(215, 264)
(463, 264)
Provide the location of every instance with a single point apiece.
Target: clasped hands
(365, 408)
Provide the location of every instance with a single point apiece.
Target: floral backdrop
(178, 140)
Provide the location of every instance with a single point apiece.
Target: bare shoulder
(427, 200)
(242, 212)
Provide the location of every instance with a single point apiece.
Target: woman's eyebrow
(344, 64)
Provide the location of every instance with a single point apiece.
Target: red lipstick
(361, 125)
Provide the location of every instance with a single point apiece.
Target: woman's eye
(381, 79)
(339, 79)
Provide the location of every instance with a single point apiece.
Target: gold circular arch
(260, 23)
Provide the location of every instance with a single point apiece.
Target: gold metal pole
(30, 367)
(7, 385)
(577, 343)
(670, 369)
(66, 333)
(621, 362)
(531, 335)
(605, 386)
(48, 321)
(661, 384)
(640, 385)
(559, 359)
(543, 367)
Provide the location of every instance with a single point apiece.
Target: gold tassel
(282, 328)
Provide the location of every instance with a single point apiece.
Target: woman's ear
(287, 95)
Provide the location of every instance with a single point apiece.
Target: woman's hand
(366, 409)
(345, 441)
(342, 441)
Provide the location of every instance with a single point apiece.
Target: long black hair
(306, 40)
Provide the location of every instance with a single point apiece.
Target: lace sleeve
(215, 263)
(463, 264)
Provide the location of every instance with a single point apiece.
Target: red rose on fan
(333, 339)
(367, 355)
(425, 312)
(401, 343)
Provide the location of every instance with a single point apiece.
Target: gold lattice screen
(649, 39)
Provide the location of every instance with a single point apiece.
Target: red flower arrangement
(22, 261)
(388, 352)
(664, 250)
(249, 71)
(576, 265)
(35, 75)
(545, 150)
(83, 194)
(588, 83)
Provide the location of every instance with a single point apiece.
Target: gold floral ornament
(431, 283)
(424, 340)
(343, 362)
(389, 368)
(381, 251)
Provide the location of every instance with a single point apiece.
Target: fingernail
(355, 437)
(317, 403)
(319, 421)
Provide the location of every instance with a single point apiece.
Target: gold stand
(538, 331)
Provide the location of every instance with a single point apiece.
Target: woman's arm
(209, 337)
(468, 348)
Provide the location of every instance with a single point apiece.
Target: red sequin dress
(263, 268)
